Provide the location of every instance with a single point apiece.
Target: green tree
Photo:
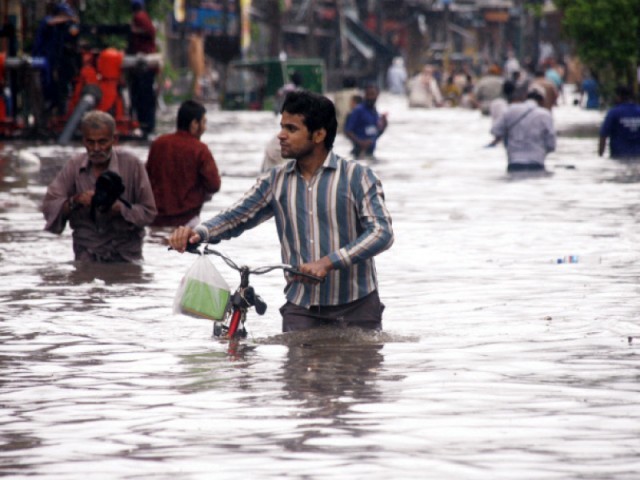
(606, 37)
(110, 12)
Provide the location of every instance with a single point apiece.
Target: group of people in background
(519, 102)
(330, 212)
(57, 42)
(462, 87)
(108, 195)
(180, 173)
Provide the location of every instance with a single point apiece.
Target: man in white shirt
(527, 132)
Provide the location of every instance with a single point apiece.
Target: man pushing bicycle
(330, 216)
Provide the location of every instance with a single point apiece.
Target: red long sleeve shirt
(183, 175)
(143, 39)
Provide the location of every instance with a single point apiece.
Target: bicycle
(232, 326)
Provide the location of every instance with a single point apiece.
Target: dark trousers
(525, 167)
(365, 313)
(143, 99)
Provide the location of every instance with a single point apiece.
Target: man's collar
(330, 162)
(185, 133)
(113, 163)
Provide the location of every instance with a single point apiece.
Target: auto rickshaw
(254, 84)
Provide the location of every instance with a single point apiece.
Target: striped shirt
(339, 212)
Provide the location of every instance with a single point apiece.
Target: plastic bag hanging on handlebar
(202, 293)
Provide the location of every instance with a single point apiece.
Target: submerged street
(496, 361)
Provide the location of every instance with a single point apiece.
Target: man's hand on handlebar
(319, 268)
(181, 236)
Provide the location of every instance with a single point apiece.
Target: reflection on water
(496, 362)
(323, 374)
(109, 273)
(328, 377)
(629, 171)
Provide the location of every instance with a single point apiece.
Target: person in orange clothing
(182, 170)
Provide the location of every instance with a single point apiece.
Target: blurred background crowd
(132, 56)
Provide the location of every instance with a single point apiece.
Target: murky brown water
(496, 362)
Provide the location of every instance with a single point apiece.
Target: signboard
(496, 16)
(218, 20)
(215, 17)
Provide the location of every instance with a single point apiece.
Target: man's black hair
(296, 78)
(189, 110)
(535, 95)
(317, 112)
(624, 93)
(508, 87)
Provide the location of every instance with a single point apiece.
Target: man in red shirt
(142, 40)
(182, 170)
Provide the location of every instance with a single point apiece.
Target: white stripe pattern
(339, 213)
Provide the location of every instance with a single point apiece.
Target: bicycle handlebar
(261, 270)
(194, 248)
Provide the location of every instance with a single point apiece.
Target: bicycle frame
(242, 299)
(245, 297)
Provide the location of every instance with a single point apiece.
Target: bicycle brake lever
(191, 248)
(260, 305)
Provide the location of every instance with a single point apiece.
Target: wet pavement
(497, 362)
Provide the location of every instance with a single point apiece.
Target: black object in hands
(109, 187)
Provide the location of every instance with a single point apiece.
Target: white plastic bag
(202, 293)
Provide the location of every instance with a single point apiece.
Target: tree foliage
(606, 36)
(110, 12)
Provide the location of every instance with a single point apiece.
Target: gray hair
(96, 119)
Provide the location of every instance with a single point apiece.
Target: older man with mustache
(109, 233)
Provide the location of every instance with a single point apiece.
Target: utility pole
(342, 28)
(522, 21)
(311, 39)
(537, 8)
(447, 35)
(380, 32)
(275, 27)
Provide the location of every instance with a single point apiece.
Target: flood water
(496, 361)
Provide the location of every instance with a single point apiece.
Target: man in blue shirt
(591, 90)
(365, 125)
(330, 216)
(622, 126)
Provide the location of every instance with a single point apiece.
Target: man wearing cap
(527, 132)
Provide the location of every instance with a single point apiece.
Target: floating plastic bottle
(568, 259)
(578, 259)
